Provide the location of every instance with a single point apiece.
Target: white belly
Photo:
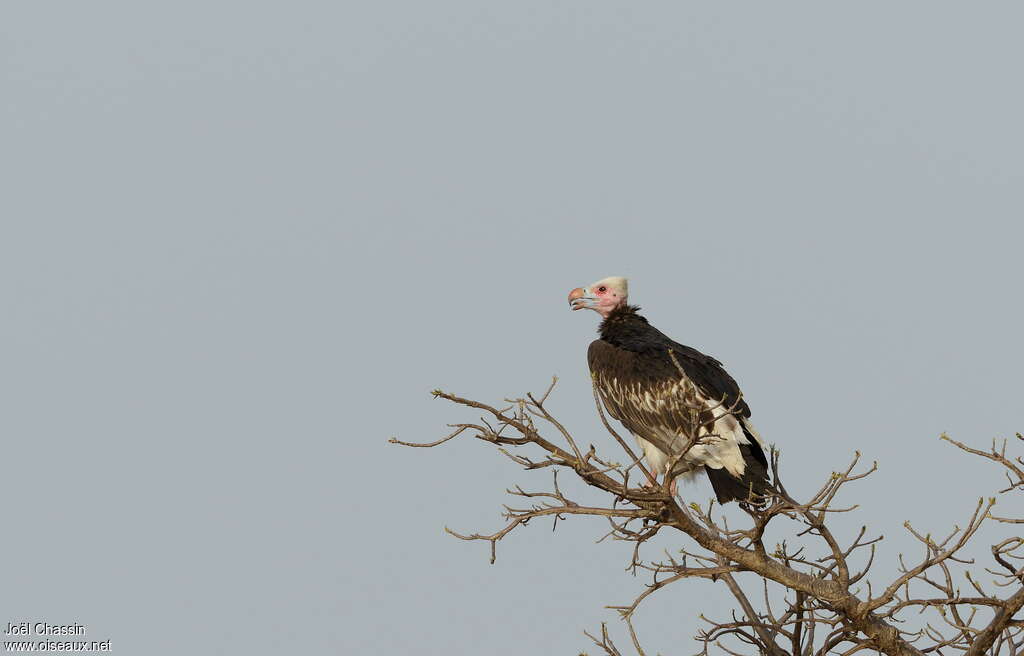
(717, 449)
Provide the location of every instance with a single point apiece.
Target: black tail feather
(753, 483)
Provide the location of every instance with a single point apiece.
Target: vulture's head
(602, 296)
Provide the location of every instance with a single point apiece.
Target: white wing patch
(720, 447)
(663, 412)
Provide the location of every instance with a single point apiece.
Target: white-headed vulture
(662, 391)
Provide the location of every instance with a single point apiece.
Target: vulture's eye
(602, 289)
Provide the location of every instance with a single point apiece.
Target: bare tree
(813, 597)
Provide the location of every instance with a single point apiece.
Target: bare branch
(809, 605)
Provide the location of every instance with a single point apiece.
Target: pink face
(602, 297)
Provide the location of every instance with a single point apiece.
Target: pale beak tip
(574, 296)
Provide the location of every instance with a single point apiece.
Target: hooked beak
(580, 298)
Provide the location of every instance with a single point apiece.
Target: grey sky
(242, 241)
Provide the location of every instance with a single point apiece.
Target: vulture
(664, 393)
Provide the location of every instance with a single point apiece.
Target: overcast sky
(240, 243)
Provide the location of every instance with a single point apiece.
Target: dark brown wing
(657, 409)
